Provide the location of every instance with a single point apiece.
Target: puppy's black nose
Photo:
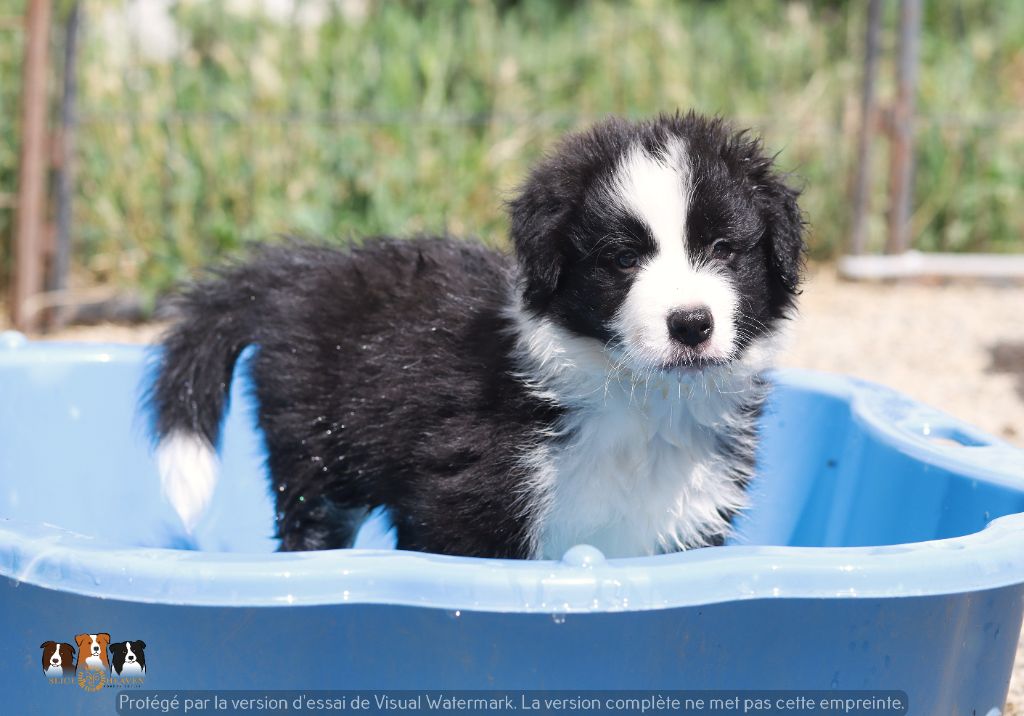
(55, 661)
(691, 326)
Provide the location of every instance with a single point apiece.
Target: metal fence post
(57, 276)
(901, 168)
(861, 194)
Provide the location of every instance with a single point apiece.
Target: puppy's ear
(537, 219)
(139, 644)
(103, 637)
(80, 638)
(46, 644)
(784, 231)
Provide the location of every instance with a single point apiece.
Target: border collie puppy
(602, 387)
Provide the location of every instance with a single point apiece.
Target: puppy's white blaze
(657, 191)
(188, 474)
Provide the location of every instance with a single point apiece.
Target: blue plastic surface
(882, 551)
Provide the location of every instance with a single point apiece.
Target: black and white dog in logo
(128, 658)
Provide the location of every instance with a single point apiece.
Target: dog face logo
(100, 664)
(92, 652)
(58, 659)
(129, 658)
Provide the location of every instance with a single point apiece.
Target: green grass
(424, 116)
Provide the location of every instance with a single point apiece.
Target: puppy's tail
(187, 399)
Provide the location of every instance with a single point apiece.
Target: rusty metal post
(860, 200)
(27, 280)
(901, 168)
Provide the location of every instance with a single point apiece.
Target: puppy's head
(673, 241)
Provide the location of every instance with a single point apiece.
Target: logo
(100, 662)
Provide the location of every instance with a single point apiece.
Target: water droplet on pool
(282, 487)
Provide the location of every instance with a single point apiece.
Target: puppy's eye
(627, 260)
(722, 250)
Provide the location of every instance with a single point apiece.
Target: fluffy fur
(602, 387)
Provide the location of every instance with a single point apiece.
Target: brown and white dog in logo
(58, 658)
(92, 651)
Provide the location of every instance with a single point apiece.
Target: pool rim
(583, 581)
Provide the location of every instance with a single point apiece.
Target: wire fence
(202, 125)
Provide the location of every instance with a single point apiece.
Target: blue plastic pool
(882, 551)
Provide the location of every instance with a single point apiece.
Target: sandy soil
(958, 347)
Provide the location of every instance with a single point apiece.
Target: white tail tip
(188, 474)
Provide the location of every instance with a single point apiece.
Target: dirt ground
(958, 347)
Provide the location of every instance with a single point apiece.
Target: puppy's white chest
(636, 479)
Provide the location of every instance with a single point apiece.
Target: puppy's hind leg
(320, 524)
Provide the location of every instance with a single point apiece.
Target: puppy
(128, 658)
(92, 651)
(58, 658)
(602, 387)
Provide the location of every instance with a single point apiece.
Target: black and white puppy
(603, 387)
(128, 658)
